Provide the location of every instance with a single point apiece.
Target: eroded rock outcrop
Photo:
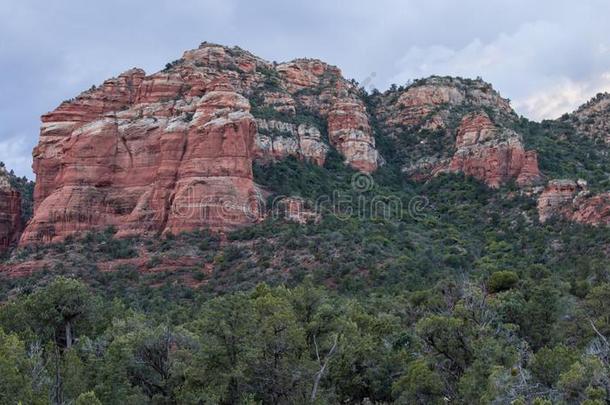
(445, 124)
(145, 173)
(557, 195)
(350, 132)
(277, 139)
(320, 91)
(488, 152)
(571, 200)
(173, 151)
(492, 154)
(10, 212)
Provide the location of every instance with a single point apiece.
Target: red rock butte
(173, 151)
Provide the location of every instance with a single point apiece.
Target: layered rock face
(10, 212)
(146, 171)
(311, 88)
(492, 154)
(572, 201)
(173, 151)
(276, 140)
(488, 152)
(350, 132)
(445, 125)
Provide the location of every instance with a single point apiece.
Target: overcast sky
(547, 56)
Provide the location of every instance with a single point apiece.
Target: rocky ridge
(490, 153)
(591, 119)
(173, 151)
(572, 199)
(456, 125)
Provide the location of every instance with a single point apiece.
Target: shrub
(502, 281)
(548, 364)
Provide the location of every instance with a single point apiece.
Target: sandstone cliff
(490, 153)
(427, 103)
(173, 151)
(10, 212)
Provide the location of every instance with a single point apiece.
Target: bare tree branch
(319, 374)
(602, 337)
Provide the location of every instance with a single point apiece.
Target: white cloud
(543, 67)
(565, 96)
(16, 153)
(547, 56)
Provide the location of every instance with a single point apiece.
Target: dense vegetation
(402, 292)
(469, 300)
(565, 153)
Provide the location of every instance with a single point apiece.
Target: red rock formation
(426, 112)
(557, 195)
(475, 129)
(153, 174)
(303, 73)
(322, 89)
(10, 212)
(23, 269)
(594, 210)
(491, 154)
(173, 151)
(349, 131)
(572, 201)
(485, 151)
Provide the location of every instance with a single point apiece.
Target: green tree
(446, 337)
(226, 330)
(540, 314)
(123, 376)
(281, 372)
(420, 385)
(15, 372)
(88, 398)
(502, 280)
(61, 309)
(548, 363)
(371, 353)
(586, 377)
(596, 304)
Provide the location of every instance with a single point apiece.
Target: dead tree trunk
(323, 365)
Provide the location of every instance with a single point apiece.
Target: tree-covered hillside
(415, 284)
(457, 296)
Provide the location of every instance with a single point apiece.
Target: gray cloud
(547, 56)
